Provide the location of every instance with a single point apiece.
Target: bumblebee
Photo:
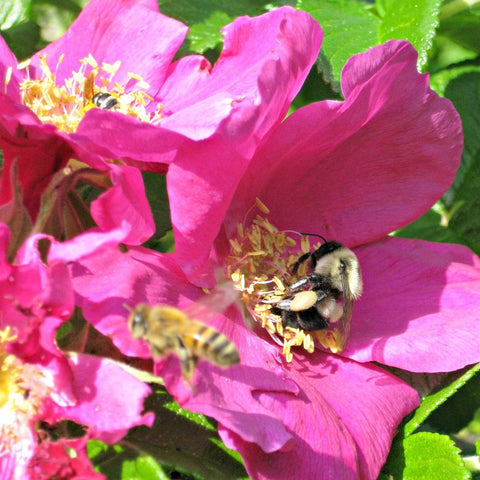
(169, 330)
(327, 294)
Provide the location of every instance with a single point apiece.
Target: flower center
(65, 105)
(260, 265)
(21, 394)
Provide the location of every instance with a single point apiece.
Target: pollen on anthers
(260, 264)
(64, 103)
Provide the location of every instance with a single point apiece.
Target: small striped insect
(169, 330)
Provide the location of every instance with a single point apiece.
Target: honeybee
(169, 330)
(103, 100)
(327, 294)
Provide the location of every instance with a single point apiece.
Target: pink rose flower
(164, 109)
(352, 171)
(38, 381)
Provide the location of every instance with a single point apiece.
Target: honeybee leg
(187, 360)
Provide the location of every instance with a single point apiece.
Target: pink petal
(113, 135)
(342, 420)
(264, 61)
(419, 310)
(331, 167)
(100, 387)
(119, 32)
(8, 59)
(268, 74)
(107, 281)
(125, 202)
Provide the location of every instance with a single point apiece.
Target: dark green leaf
(431, 402)
(425, 456)
(412, 20)
(459, 409)
(156, 191)
(463, 199)
(461, 26)
(22, 39)
(185, 440)
(349, 27)
(205, 18)
(430, 227)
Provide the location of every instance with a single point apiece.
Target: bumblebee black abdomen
(104, 100)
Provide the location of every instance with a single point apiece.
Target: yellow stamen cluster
(65, 105)
(260, 263)
(21, 394)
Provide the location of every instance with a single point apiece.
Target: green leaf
(185, 440)
(205, 18)
(22, 39)
(123, 462)
(13, 12)
(459, 409)
(430, 456)
(461, 26)
(412, 20)
(430, 226)
(425, 456)
(349, 27)
(462, 198)
(434, 400)
(156, 191)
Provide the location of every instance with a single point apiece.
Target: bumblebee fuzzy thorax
(342, 259)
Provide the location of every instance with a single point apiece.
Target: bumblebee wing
(347, 309)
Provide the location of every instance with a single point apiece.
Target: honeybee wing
(213, 303)
(347, 309)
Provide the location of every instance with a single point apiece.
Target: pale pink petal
(419, 311)
(126, 203)
(332, 167)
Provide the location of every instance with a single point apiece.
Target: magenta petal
(113, 135)
(331, 167)
(264, 74)
(126, 203)
(7, 59)
(419, 310)
(342, 420)
(263, 64)
(119, 31)
(100, 387)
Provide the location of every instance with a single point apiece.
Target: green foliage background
(439, 440)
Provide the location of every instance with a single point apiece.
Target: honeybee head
(137, 321)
